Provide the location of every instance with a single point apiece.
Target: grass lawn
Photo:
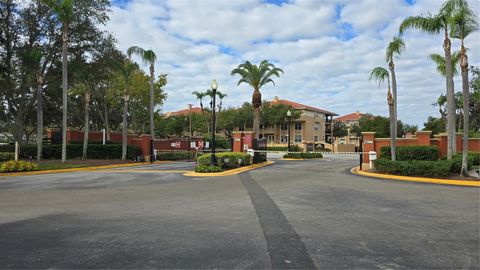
(58, 166)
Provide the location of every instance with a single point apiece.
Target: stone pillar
(368, 145)
(423, 137)
(443, 144)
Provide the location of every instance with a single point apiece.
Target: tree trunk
(124, 128)
(393, 136)
(466, 111)
(39, 117)
(64, 89)
(451, 149)
(152, 99)
(393, 117)
(256, 103)
(87, 124)
(107, 126)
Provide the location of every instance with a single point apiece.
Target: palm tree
(200, 95)
(464, 22)
(394, 49)
(126, 69)
(64, 11)
(86, 76)
(381, 74)
(148, 56)
(434, 24)
(256, 77)
(221, 96)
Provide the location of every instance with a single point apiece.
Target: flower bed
(225, 161)
(303, 155)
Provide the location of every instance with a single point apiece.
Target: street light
(289, 116)
(214, 87)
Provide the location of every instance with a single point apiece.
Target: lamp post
(214, 87)
(289, 116)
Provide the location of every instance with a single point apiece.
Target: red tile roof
(185, 111)
(299, 106)
(349, 117)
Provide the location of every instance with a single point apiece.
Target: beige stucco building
(313, 127)
(349, 120)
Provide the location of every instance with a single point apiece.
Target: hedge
(303, 155)
(293, 148)
(175, 155)
(18, 166)
(94, 151)
(6, 156)
(208, 169)
(227, 160)
(405, 153)
(437, 168)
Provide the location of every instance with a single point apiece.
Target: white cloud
(326, 64)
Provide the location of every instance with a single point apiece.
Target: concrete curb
(79, 169)
(437, 181)
(229, 172)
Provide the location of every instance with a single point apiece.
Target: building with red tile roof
(184, 112)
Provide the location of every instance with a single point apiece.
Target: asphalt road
(292, 214)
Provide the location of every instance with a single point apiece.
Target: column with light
(289, 116)
(214, 87)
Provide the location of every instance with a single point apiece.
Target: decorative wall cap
(424, 132)
(368, 133)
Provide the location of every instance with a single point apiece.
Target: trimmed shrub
(405, 153)
(18, 166)
(306, 155)
(457, 162)
(436, 168)
(94, 151)
(175, 155)
(227, 160)
(94, 142)
(475, 156)
(207, 169)
(293, 148)
(6, 156)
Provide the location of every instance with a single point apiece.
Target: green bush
(405, 153)
(293, 148)
(475, 156)
(457, 162)
(94, 151)
(227, 160)
(94, 142)
(175, 155)
(306, 155)
(18, 166)
(207, 169)
(6, 156)
(436, 168)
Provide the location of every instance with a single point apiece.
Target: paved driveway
(293, 214)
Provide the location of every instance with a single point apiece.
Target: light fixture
(289, 113)
(214, 85)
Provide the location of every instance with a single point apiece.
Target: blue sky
(326, 49)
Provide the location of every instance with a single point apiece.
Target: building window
(298, 125)
(298, 138)
(315, 138)
(284, 127)
(316, 127)
(283, 139)
(270, 138)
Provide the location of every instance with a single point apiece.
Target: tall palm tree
(464, 22)
(394, 49)
(87, 78)
(381, 75)
(220, 96)
(200, 96)
(256, 77)
(126, 69)
(147, 56)
(64, 11)
(434, 24)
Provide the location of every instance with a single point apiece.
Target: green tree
(434, 24)
(64, 11)
(148, 56)
(256, 77)
(381, 74)
(339, 130)
(380, 125)
(475, 99)
(394, 49)
(436, 125)
(463, 23)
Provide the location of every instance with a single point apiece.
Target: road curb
(229, 172)
(79, 169)
(463, 183)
